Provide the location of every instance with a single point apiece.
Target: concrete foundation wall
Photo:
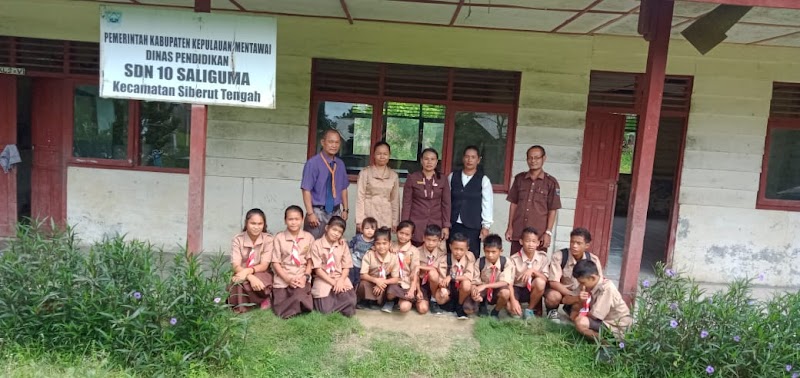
(142, 205)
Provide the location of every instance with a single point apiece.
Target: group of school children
(292, 273)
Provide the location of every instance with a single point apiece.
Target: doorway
(33, 118)
(604, 188)
(25, 147)
(663, 188)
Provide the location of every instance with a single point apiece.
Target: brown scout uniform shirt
(534, 197)
(242, 245)
(607, 305)
(485, 276)
(520, 262)
(282, 254)
(565, 275)
(438, 258)
(426, 202)
(467, 266)
(378, 196)
(320, 250)
(410, 263)
(372, 263)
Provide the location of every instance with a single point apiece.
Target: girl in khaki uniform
(378, 190)
(408, 260)
(380, 272)
(330, 257)
(291, 262)
(251, 254)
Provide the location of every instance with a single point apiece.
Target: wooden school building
(664, 153)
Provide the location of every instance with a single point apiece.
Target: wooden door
(8, 135)
(49, 118)
(597, 189)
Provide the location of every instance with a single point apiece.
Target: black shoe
(495, 314)
(460, 314)
(361, 305)
(483, 310)
(374, 306)
(435, 309)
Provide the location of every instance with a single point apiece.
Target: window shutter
(785, 100)
(50, 56)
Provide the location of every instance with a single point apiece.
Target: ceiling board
(588, 22)
(746, 33)
(541, 4)
(617, 5)
(328, 8)
(520, 19)
(773, 16)
(402, 11)
(692, 9)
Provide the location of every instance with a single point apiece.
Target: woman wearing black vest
(472, 201)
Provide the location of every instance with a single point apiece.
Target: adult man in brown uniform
(535, 198)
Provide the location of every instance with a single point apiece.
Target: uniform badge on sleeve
(558, 192)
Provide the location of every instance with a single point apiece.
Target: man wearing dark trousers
(324, 185)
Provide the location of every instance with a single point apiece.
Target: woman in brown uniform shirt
(426, 198)
(378, 190)
(251, 254)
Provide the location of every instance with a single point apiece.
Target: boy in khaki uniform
(432, 269)
(379, 271)
(456, 286)
(605, 308)
(493, 279)
(562, 287)
(531, 272)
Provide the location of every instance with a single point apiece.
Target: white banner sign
(186, 57)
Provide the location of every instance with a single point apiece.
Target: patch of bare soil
(424, 330)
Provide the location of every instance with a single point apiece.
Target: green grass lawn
(334, 346)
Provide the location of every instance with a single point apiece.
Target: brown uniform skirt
(288, 302)
(344, 302)
(365, 291)
(242, 296)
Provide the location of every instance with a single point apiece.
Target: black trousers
(473, 234)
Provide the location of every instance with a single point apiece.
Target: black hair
(536, 146)
(580, 231)
(435, 171)
(585, 269)
(458, 237)
(337, 221)
(529, 230)
(329, 131)
(472, 147)
(381, 143)
(406, 224)
(369, 221)
(250, 214)
(433, 230)
(383, 232)
(493, 241)
(293, 208)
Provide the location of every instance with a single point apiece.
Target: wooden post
(653, 85)
(8, 135)
(197, 166)
(197, 179)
